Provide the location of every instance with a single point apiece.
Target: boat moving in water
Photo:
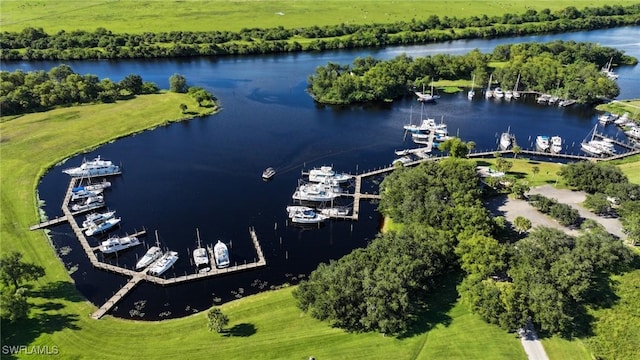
(268, 173)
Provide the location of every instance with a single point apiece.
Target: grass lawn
(523, 169)
(135, 16)
(621, 106)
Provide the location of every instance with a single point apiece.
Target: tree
(535, 170)
(516, 150)
(183, 108)
(522, 224)
(178, 83)
(13, 271)
(598, 203)
(519, 188)
(217, 320)
(456, 147)
(131, 83)
(13, 303)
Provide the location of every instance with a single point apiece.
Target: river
(205, 174)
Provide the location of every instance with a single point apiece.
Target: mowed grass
(265, 326)
(522, 169)
(134, 16)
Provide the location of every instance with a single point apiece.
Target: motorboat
(268, 173)
(542, 143)
(426, 125)
(335, 211)
(508, 95)
(326, 175)
(316, 192)
(498, 93)
(115, 244)
(402, 152)
(634, 132)
(97, 186)
(92, 168)
(556, 144)
(402, 160)
(82, 193)
(622, 119)
(201, 257)
(293, 208)
(97, 228)
(150, 256)
(606, 145)
(307, 217)
(89, 203)
(606, 118)
(96, 218)
(543, 99)
(221, 255)
(163, 263)
(505, 139)
(590, 148)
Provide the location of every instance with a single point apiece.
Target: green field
(134, 16)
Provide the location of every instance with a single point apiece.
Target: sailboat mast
(198, 236)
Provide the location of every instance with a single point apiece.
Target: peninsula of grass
(132, 16)
(620, 107)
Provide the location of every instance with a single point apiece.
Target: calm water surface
(205, 174)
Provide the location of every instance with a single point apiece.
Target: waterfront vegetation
(569, 69)
(35, 44)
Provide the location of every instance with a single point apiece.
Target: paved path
(532, 346)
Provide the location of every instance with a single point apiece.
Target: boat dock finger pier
(139, 276)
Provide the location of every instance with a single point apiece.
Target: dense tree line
(35, 44)
(563, 213)
(31, 91)
(569, 68)
(383, 286)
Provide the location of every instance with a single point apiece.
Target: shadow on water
(241, 330)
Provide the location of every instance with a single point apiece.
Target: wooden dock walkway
(627, 145)
(135, 280)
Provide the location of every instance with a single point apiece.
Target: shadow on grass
(435, 306)
(517, 174)
(58, 290)
(241, 330)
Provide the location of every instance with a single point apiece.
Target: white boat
(588, 146)
(82, 193)
(498, 93)
(471, 93)
(326, 175)
(200, 257)
(221, 255)
(95, 167)
(98, 186)
(315, 192)
(505, 139)
(515, 92)
(150, 256)
(605, 145)
(163, 263)
(427, 97)
(96, 218)
(402, 152)
(294, 208)
(489, 93)
(606, 70)
(335, 211)
(115, 244)
(268, 173)
(402, 160)
(508, 95)
(622, 119)
(89, 203)
(307, 217)
(543, 99)
(634, 132)
(101, 227)
(542, 143)
(427, 124)
(606, 118)
(556, 144)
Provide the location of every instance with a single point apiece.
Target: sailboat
(200, 257)
(608, 72)
(588, 146)
(471, 93)
(515, 93)
(489, 93)
(505, 139)
(424, 97)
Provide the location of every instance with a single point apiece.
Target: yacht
(221, 255)
(97, 228)
(590, 148)
(96, 218)
(326, 175)
(150, 256)
(634, 132)
(505, 139)
(605, 145)
(82, 193)
(95, 167)
(163, 263)
(622, 119)
(268, 173)
(89, 203)
(402, 160)
(498, 93)
(335, 211)
(201, 257)
(307, 217)
(542, 143)
(294, 208)
(606, 118)
(556, 144)
(115, 244)
(427, 124)
(98, 186)
(316, 192)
